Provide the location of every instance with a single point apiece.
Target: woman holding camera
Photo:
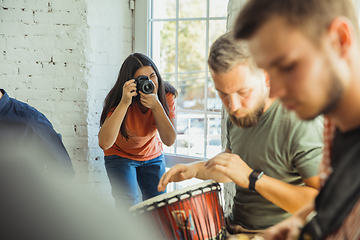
(134, 125)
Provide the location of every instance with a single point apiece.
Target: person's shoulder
(292, 119)
(230, 124)
(170, 95)
(291, 125)
(24, 111)
(170, 98)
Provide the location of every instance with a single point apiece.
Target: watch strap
(254, 176)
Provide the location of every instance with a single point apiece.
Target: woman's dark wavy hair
(127, 72)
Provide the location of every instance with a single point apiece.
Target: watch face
(256, 174)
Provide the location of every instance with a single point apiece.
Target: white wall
(62, 57)
(234, 7)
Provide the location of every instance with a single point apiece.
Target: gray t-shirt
(282, 146)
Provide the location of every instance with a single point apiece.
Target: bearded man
(270, 154)
(311, 50)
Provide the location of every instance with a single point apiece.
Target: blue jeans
(125, 175)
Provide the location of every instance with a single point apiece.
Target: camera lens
(148, 87)
(144, 84)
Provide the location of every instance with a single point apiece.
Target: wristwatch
(254, 176)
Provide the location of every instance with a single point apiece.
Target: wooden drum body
(190, 213)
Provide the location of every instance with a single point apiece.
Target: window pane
(194, 137)
(191, 88)
(169, 77)
(167, 149)
(214, 103)
(190, 134)
(216, 29)
(164, 9)
(163, 46)
(192, 8)
(218, 8)
(191, 65)
(192, 40)
(213, 136)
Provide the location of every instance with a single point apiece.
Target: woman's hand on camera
(129, 91)
(150, 100)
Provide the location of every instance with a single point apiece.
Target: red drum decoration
(190, 213)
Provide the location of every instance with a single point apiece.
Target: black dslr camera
(144, 84)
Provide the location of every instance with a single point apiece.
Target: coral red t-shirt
(144, 143)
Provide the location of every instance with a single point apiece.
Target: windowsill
(173, 159)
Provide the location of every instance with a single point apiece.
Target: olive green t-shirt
(282, 146)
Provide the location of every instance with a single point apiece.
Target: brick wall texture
(62, 57)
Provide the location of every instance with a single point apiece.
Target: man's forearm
(289, 197)
(304, 212)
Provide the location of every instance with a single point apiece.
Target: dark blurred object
(37, 199)
(25, 133)
(34, 206)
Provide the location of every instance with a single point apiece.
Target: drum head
(192, 213)
(196, 189)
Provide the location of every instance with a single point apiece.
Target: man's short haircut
(313, 17)
(226, 53)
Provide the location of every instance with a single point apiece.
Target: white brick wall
(62, 57)
(234, 8)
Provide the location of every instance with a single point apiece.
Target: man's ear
(342, 35)
(267, 79)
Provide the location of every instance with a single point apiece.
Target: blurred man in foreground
(270, 154)
(311, 52)
(37, 200)
(35, 206)
(27, 134)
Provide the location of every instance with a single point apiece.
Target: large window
(180, 33)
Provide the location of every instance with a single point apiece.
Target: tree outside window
(181, 33)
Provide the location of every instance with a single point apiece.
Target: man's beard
(252, 117)
(334, 94)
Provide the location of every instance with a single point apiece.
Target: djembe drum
(194, 213)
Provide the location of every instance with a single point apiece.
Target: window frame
(143, 27)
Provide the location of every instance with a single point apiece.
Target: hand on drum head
(232, 166)
(288, 229)
(177, 173)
